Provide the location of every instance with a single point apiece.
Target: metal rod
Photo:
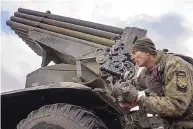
(19, 29)
(73, 21)
(70, 26)
(25, 36)
(80, 35)
(22, 27)
(20, 32)
(63, 37)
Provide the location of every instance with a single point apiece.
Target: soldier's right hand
(129, 92)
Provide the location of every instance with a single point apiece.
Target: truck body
(90, 58)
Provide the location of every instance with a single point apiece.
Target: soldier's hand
(116, 91)
(129, 93)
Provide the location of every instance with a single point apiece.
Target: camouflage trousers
(186, 122)
(182, 125)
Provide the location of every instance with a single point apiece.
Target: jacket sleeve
(177, 90)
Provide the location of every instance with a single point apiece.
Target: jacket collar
(160, 61)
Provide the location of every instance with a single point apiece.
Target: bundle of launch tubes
(90, 33)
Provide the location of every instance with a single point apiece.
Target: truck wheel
(61, 116)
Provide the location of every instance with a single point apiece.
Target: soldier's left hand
(129, 93)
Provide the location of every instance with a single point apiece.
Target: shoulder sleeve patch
(181, 81)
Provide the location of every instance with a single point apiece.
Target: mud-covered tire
(61, 116)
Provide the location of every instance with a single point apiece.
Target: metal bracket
(79, 60)
(129, 36)
(79, 70)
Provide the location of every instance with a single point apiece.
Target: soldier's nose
(132, 57)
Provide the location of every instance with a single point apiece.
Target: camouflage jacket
(170, 86)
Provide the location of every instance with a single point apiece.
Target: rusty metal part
(25, 28)
(70, 26)
(73, 21)
(76, 34)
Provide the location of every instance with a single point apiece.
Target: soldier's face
(140, 58)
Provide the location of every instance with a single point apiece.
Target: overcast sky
(169, 24)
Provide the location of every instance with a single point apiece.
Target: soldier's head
(143, 52)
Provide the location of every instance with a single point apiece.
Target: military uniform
(170, 87)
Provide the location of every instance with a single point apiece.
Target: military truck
(75, 93)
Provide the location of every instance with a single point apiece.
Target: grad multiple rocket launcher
(75, 93)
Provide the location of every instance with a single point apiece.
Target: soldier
(168, 80)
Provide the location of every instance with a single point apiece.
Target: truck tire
(61, 116)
